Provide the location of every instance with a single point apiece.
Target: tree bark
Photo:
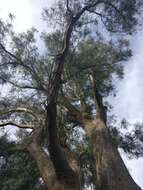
(63, 165)
(45, 167)
(47, 170)
(111, 172)
(50, 165)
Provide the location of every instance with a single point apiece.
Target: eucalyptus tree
(96, 65)
(38, 80)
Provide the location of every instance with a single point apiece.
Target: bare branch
(9, 53)
(67, 4)
(16, 125)
(86, 8)
(16, 110)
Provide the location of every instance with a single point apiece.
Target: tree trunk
(47, 170)
(45, 167)
(111, 172)
(60, 157)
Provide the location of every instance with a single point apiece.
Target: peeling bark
(111, 172)
(52, 179)
(45, 167)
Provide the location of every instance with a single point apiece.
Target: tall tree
(39, 83)
(110, 169)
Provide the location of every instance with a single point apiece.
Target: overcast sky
(129, 101)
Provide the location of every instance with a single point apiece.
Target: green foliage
(102, 58)
(114, 15)
(17, 169)
(129, 138)
(28, 73)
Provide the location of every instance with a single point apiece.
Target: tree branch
(101, 110)
(19, 86)
(19, 62)
(20, 110)
(60, 59)
(67, 5)
(16, 125)
(72, 109)
(9, 53)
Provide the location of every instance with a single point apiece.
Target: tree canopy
(60, 96)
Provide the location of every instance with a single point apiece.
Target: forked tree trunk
(47, 171)
(111, 172)
(45, 167)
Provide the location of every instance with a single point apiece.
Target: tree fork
(111, 172)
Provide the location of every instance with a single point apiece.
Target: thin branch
(19, 62)
(86, 8)
(67, 5)
(104, 22)
(19, 86)
(16, 125)
(9, 53)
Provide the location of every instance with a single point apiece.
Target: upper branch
(19, 62)
(67, 5)
(9, 53)
(60, 59)
(100, 108)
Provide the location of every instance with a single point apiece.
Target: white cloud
(27, 12)
(129, 101)
(20, 9)
(135, 168)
